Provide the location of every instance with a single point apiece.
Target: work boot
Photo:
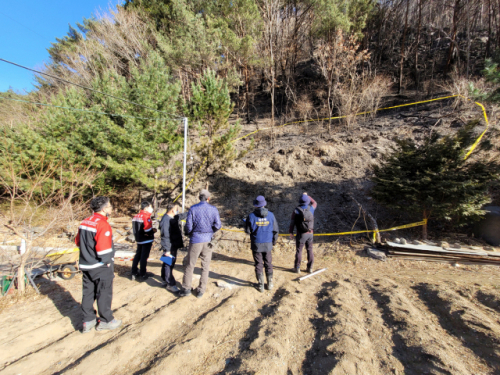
(172, 288)
(87, 326)
(260, 280)
(269, 277)
(296, 270)
(185, 292)
(309, 270)
(115, 323)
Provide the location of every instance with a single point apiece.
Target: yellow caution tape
(374, 231)
(473, 147)
(386, 108)
(62, 252)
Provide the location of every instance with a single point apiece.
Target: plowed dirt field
(359, 317)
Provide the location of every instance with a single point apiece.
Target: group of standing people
(94, 239)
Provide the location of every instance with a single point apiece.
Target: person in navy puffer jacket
(203, 220)
(263, 229)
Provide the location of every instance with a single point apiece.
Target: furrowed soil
(360, 316)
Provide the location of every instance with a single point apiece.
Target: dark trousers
(100, 289)
(304, 239)
(263, 260)
(141, 256)
(167, 270)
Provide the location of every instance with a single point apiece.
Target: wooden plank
(434, 249)
(446, 255)
(446, 261)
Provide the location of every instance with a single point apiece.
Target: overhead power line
(26, 27)
(88, 88)
(77, 109)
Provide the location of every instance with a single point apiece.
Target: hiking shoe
(296, 270)
(309, 270)
(172, 288)
(115, 323)
(143, 277)
(133, 277)
(184, 293)
(199, 294)
(87, 326)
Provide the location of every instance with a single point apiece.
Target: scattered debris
(224, 285)
(376, 254)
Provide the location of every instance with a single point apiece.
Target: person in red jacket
(95, 240)
(142, 226)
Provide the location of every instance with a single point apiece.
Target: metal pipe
(185, 120)
(312, 274)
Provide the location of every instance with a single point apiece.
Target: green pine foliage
(347, 15)
(129, 150)
(209, 110)
(433, 180)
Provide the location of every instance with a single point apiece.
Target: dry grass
(15, 297)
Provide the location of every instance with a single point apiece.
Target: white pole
(312, 274)
(185, 120)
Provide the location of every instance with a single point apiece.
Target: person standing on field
(95, 240)
(202, 222)
(303, 220)
(144, 232)
(171, 241)
(263, 229)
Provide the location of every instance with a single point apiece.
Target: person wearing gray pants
(203, 220)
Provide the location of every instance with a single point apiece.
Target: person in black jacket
(263, 229)
(171, 241)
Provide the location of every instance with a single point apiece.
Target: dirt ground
(361, 316)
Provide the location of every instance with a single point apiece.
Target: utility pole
(185, 121)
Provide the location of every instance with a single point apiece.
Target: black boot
(269, 281)
(260, 279)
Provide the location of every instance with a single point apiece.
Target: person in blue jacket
(263, 229)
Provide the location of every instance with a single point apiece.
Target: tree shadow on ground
(415, 359)
(484, 345)
(62, 299)
(316, 362)
(233, 364)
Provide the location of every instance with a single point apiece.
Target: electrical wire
(79, 110)
(87, 88)
(26, 27)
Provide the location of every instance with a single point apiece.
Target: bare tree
(42, 190)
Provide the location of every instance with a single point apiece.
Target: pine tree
(209, 110)
(129, 149)
(434, 180)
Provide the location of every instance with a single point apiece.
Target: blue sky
(27, 29)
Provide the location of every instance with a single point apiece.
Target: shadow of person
(214, 276)
(63, 300)
(226, 258)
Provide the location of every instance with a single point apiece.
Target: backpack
(304, 220)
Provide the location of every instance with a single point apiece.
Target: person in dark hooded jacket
(263, 229)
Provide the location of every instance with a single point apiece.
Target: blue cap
(304, 199)
(260, 201)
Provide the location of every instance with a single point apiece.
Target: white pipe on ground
(312, 274)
